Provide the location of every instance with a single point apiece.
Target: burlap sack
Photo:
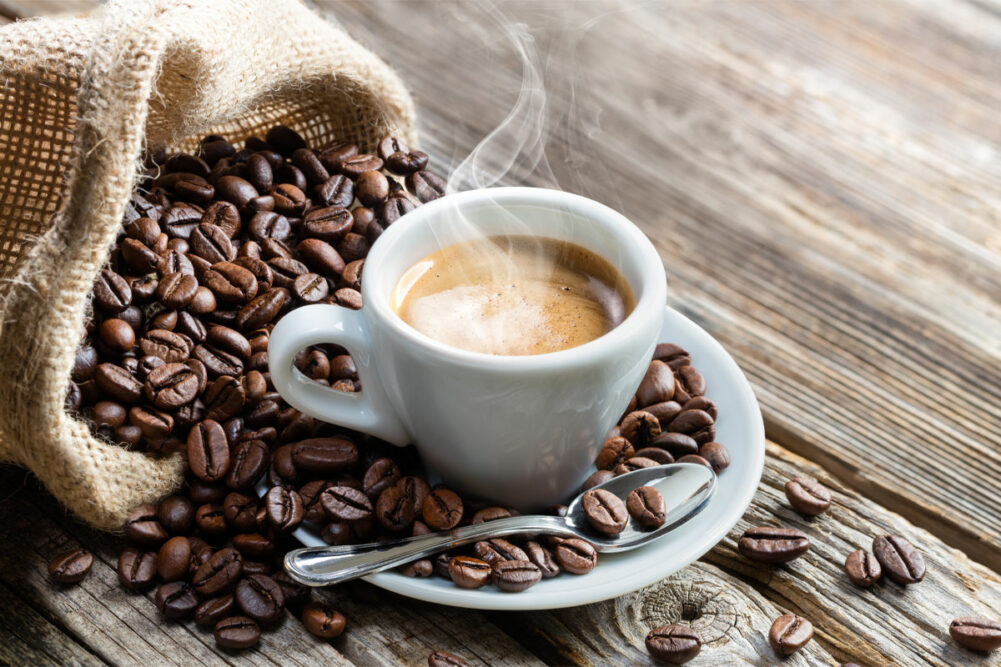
(78, 99)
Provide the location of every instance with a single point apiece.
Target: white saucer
(739, 428)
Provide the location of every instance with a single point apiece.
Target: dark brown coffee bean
(442, 509)
(174, 559)
(284, 509)
(616, 451)
(169, 346)
(646, 506)
(260, 598)
(217, 361)
(229, 340)
(219, 573)
(255, 545)
(223, 215)
(176, 513)
(208, 451)
(176, 600)
(690, 421)
(404, 163)
(285, 140)
(240, 512)
(289, 199)
(237, 632)
(657, 385)
(170, 386)
(211, 519)
(324, 455)
(346, 504)
(542, 558)
(901, 562)
(673, 644)
(356, 165)
(321, 257)
(262, 309)
(236, 190)
(136, 569)
(327, 224)
(348, 298)
(427, 185)
(109, 413)
(773, 545)
(807, 495)
(176, 290)
(789, 633)
(180, 219)
(418, 568)
(640, 428)
(249, 459)
(976, 633)
(112, 293)
(224, 398)
(382, 474)
(717, 455)
(231, 283)
(655, 454)
(498, 549)
(689, 383)
(143, 526)
(489, 514)
(310, 288)
(322, 620)
(352, 274)
(310, 166)
(863, 568)
(353, 247)
(71, 567)
(596, 478)
(211, 243)
(210, 612)
(391, 144)
(515, 575)
(372, 188)
(468, 572)
(397, 506)
(395, 208)
(634, 463)
(678, 444)
(144, 230)
(604, 511)
(337, 190)
(139, 257)
(118, 383)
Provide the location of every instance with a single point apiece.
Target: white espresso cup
(522, 431)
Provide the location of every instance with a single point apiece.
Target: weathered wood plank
(821, 181)
(26, 638)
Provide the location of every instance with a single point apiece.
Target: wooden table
(823, 181)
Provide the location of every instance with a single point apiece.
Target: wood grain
(822, 182)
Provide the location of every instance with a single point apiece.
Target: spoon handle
(325, 566)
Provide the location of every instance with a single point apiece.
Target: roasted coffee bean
(976, 633)
(689, 383)
(223, 215)
(228, 340)
(310, 493)
(427, 186)
(689, 422)
(139, 257)
(678, 444)
(143, 526)
(337, 190)
(310, 288)
(136, 569)
(170, 386)
(112, 293)
(284, 509)
(704, 404)
(180, 219)
(489, 514)
(396, 507)
(269, 225)
(604, 511)
(356, 165)
(176, 290)
(224, 398)
(353, 247)
(789, 633)
(324, 455)
(289, 199)
(310, 166)
(237, 632)
(372, 188)
(395, 208)
(260, 598)
(176, 600)
(327, 224)
(208, 451)
(201, 492)
(542, 558)
(217, 361)
(262, 309)
(417, 568)
(210, 612)
(639, 428)
(445, 659)
(219, 573)
(596, 478)
(346, 504)
(694, 458)
(84, 364)
(254, 545)
(380, 475)
(236, 190)
(144, 230)
(174, 559)
(498, 549)
(515, 575)
(71, 567)
(468, 572)
(634, 463)
(240, 512)
(284, 139)
(806, 495)
(442, 509)
(673, 644)
(109, 413)
(231, 283)
(655, 454)
(176, 514)
(118, 383)
(773, 545)
(249, 460)
(615, 451)
(352, 274)
(657, 385)
(391, 144)
(404, 163)
(147, 363)
(211, 243)
(322, 620)
(211, 519)
(646, 506)
(901, 562)
(863, 568)
(169, 346)
(717, 455)
(321, 257)
(338, 533)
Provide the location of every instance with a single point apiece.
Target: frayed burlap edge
(162, 72)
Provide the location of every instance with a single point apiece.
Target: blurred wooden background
(823, 181)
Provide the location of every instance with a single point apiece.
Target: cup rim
(652, 278)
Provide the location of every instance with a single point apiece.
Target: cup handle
(369, 410)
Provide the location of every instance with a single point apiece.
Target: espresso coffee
(513, 295)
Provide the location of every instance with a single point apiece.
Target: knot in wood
(707, 606)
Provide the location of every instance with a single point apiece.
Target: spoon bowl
(685, 487)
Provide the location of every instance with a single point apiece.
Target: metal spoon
(686, 488)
